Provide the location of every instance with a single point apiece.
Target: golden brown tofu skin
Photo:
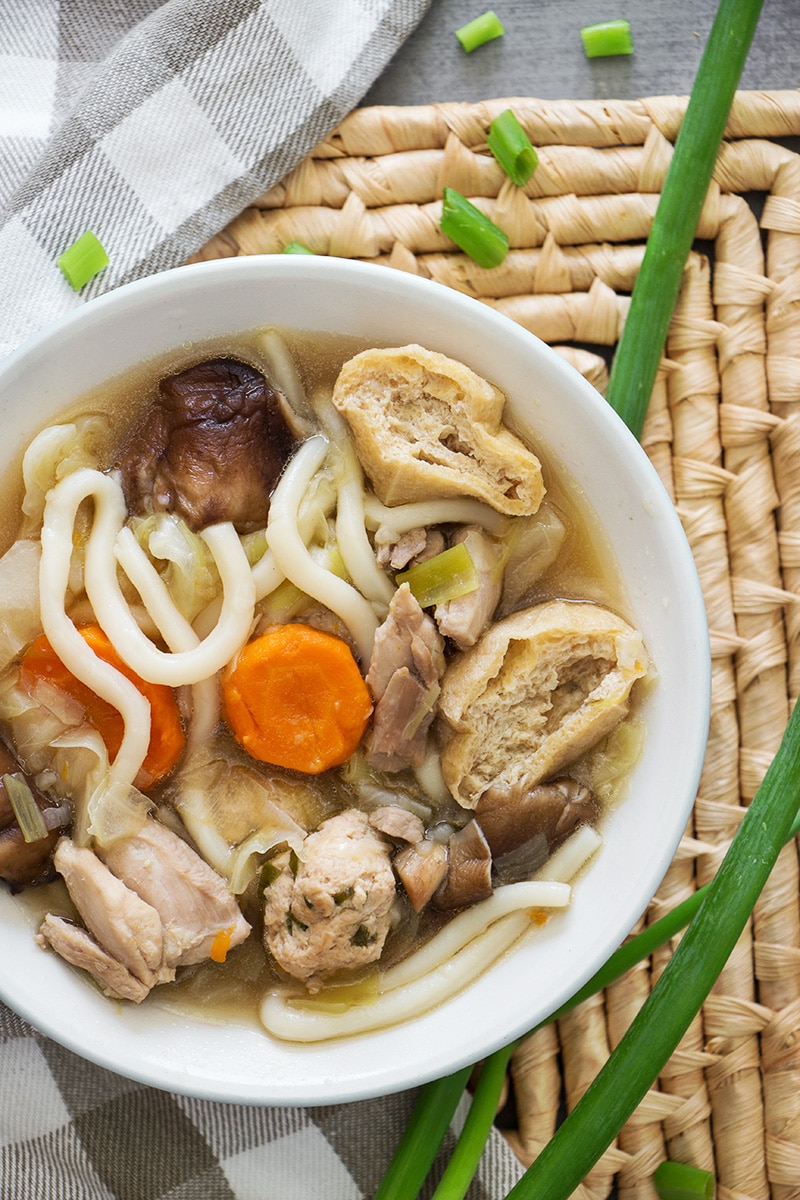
(426, 427)
(534, 693)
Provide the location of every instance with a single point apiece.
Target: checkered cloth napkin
(153, 125)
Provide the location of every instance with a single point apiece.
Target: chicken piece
(405, 668)
(332, 912)
(413, 546)
(127, 928)
(427, 426)
(191, 900)
(76, 946)
(210, 449)
(397, 823)
(534, 693)
(464, 618)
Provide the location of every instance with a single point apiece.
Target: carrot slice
(167, 740)
(295, 698)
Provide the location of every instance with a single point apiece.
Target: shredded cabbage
(116, 810)
(235, 815)
(187, 568)
(534, 545)
(20, 621)
(54, 453)
(55, 745)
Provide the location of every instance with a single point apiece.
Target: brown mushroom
(421, 868)
(210, 449)
(22, 863)
(511, 816)
(469, 870)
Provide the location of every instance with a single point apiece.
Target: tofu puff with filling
(537, 690)
(426, 426)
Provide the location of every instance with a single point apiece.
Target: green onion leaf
(509, 143)
(26, 810)
(81, 261)
(679, 1181)
(681, 989)
(422, 1137)
(441, 578)
(655, 292)
(471, 231)
(296, 248)
(606, 39)
(477, 32)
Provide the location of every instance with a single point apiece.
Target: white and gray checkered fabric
(70, 1130)
(153, 125)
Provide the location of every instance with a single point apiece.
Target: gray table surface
(541, 54)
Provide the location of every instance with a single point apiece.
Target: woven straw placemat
(724, 434)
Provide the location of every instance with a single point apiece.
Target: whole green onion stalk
(657, 285)
(724, 906)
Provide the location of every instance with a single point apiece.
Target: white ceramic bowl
(237, 1063)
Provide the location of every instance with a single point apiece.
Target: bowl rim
(178, 1072)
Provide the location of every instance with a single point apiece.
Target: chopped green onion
(509, 143)
(26, 810)
(471, 231)
(477, 32)
(606, 39)
(679, 1181)
(81, 261)
(269, 873)
(444, 577)
(296, 248)
(655, 292)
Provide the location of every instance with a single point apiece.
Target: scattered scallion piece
(81, 261)
(444, 577)
(471, 231)
(680, 1181)
(510, 145)
(296, 248)
(655, 292)
(607, 39)
(26, 811)
(480, 30)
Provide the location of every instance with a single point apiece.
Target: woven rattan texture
(724, 434)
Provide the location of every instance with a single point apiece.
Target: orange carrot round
(167, 740)
(295, 698)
